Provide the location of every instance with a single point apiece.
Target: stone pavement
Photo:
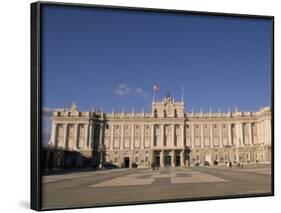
(137, 185)
(176, 176)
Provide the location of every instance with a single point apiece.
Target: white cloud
(123, 89)
(140, 92)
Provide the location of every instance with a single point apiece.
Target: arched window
(155, 113)
(175, 113)
(164, 113)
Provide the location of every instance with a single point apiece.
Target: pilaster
(132, 144)
(182, 158)
(89, 143)
(173, 135)
(173, 158)
(76, 139)
(162, 158)
(122, 137)
(86, 136)
(54, 134)
(65, 142)
(193, 136)
(211, 135)
(101, 135)
(162, 135)
(112, 137)
(220, 134)
(182, 135)
(268, 131)
(250, 134)
(229, 135)
(142, 137)
(202, 136)
(152, 136)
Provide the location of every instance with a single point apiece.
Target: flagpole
(155, 88)
(182, 93)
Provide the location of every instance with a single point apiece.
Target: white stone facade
(168, 136)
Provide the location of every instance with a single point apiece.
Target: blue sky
(110, 59)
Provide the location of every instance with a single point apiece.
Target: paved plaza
(135, 185)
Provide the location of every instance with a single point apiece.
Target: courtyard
(119, 186)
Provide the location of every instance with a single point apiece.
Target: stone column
(132, 159)
(211, 135)
(237, 134)
(93, 137)
(132, 144)
(152, 136)
(264, 132)
(267, 131)
(162, 135)
(242, 134)
(162, 158)
(111, 137)
(122, 137)
(202, 136)
(101, 145)
(250, 135)
(238, 140)
(259, 135)
(193, 136)
(142, 137)
(173, 158)
(89, 143)
(229, 135)
(76, 136)
(101, 135)
(220, 133)
(86, 136)
(53, 134)
(65, 142)
(173, 135)
(182, 135)
(182, 158)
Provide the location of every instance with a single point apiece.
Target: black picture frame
(36, 99)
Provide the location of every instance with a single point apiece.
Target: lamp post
(186, 156)
(101, 152)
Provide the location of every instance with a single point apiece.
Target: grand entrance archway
(167, 161)
(126, 162)
(157, 161)
(178, 160)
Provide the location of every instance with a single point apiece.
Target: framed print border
(36, 101)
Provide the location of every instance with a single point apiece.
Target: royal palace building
(165, 137)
